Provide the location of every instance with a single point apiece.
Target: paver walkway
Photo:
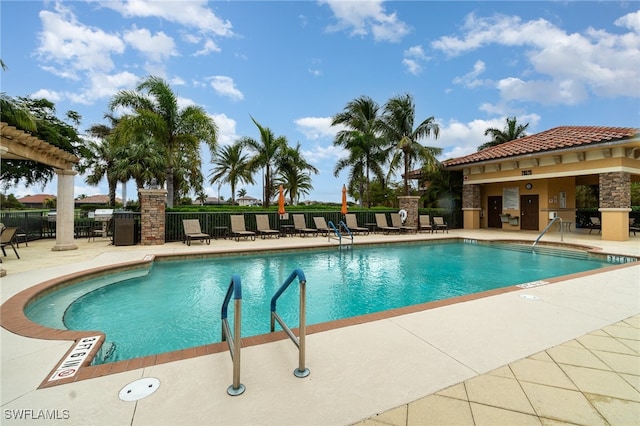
(591, 380)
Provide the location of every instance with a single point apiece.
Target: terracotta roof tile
(549, 140)
(36, 199)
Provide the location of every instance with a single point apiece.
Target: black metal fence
(37, 224)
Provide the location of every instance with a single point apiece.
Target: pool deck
(566, 352)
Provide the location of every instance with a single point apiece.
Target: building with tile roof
(36, 201)
(524, 183)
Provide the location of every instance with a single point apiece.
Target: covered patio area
(523, 184)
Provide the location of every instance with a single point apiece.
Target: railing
(338, 234)
(300, 341)
(533, 247)
(235, 287)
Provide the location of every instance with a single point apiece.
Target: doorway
(529, 213)
(494, 211)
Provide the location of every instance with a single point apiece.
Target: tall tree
(295, 182)
(266, 151)
(101, 157)
(230, 166)
(397, 123)
(361, 139)
(140, 161)
(178, 132)
(291, 167)
(512, 131)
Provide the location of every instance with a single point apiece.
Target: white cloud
(226, 128)
(413, 57)
(630, 20)
(225, 86)
(209, 46)
(470, 79)
(75, 47)
(192, 13)
(366, 16)
(51, 95)
(316, 127)
(157, 48)
(567, 68)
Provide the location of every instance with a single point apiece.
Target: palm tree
(265, 153)
(242, 193)
(177, 132)
(295, 182)
(362, 141)
(290, 164)
(397, 125)
(100, 162)
(140, 161)
(231, 167)
(512, 131)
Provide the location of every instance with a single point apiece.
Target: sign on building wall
(511, 198)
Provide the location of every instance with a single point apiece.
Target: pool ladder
(557, 218)
(300, 341)
(338, 235)
(233, 339)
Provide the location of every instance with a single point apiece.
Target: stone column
(410, 204)
(471, 206)
(65, 212)
(615, 205)
(153, 211)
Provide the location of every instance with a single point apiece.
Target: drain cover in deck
(139, 389)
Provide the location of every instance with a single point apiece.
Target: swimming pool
(177, 304)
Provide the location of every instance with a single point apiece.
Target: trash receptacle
(123, 234)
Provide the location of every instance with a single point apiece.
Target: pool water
(177, 304)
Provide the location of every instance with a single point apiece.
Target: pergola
(16, 144)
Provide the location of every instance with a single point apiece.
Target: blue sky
(294, 64)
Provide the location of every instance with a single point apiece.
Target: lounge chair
(382, 225)
(594, 223)
(440, 224)
(263, 228)
(238, 229)
(300, 226)
(192, 231)
(396, 222)
(7, 238)
(352, 224)
(425, 223)
(633, 227)
(321, 225)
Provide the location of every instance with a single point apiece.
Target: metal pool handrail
(338, 233)
(533, 247)
(300, 342)
(235, 288)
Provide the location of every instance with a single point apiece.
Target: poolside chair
(192, 231)
(7, 238)
(263, 228)
(352, 224)
(633, 227)
(396, 222)
(440, 224)
(300, 226)
(238, 229)
(383, 225)
(425, 223)
(594, 223)
(321, 225)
